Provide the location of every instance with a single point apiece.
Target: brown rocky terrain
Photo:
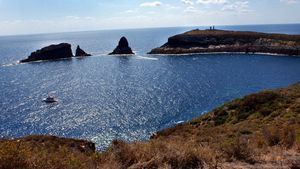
(219, 41)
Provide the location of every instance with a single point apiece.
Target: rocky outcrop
(52, 141)
(210, 41)
(80, 52)
(51, 52)
(123, 48)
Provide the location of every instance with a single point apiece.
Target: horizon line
(115, 29)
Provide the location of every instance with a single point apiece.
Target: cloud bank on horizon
(45, 16)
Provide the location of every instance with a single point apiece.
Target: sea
(102, 98)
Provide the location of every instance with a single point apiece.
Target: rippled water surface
(102, 98)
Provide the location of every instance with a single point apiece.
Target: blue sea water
(103, 97)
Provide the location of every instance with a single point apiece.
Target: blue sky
(44, 16)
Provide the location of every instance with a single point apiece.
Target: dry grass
(45, 152)
(153, 154)
(240, 34)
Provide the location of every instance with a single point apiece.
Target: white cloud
(191, 9)
(187, 2)
(71, 17)
(151, 12)
(170, 6)
(238, 6)
(130, 11)
(151, 4)
(289, 1)
(211, 1)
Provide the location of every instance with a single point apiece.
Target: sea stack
(51, 52)
(123, 48)
(80, 52)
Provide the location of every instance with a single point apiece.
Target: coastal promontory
(51, 52)
(122, 48)
(219, 41)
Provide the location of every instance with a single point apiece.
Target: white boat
(50, 99)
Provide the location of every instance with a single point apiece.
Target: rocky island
(80, 52)
(219, 41)
(261, 130)
(51, 52)
(122, 48)
(55, 51)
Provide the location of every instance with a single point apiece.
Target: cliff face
(206, 41)
(51, 52)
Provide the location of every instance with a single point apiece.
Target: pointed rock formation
(51, 52)
(80, 52)
(122, 48)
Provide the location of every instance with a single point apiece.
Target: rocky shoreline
(193, 42)
(221, 41)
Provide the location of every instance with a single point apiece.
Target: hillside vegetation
(261, 130)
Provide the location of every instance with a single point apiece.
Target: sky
(47, 16)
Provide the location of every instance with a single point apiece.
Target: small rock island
(51, 52)
(219, 41)
(80, 52)
(55, 51)
(122, 48)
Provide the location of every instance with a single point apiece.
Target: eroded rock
(122, 48)
(51, 52)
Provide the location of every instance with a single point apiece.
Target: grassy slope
(258, 131)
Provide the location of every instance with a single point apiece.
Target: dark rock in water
(122, 48)
(51, 52)
(80, 52)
